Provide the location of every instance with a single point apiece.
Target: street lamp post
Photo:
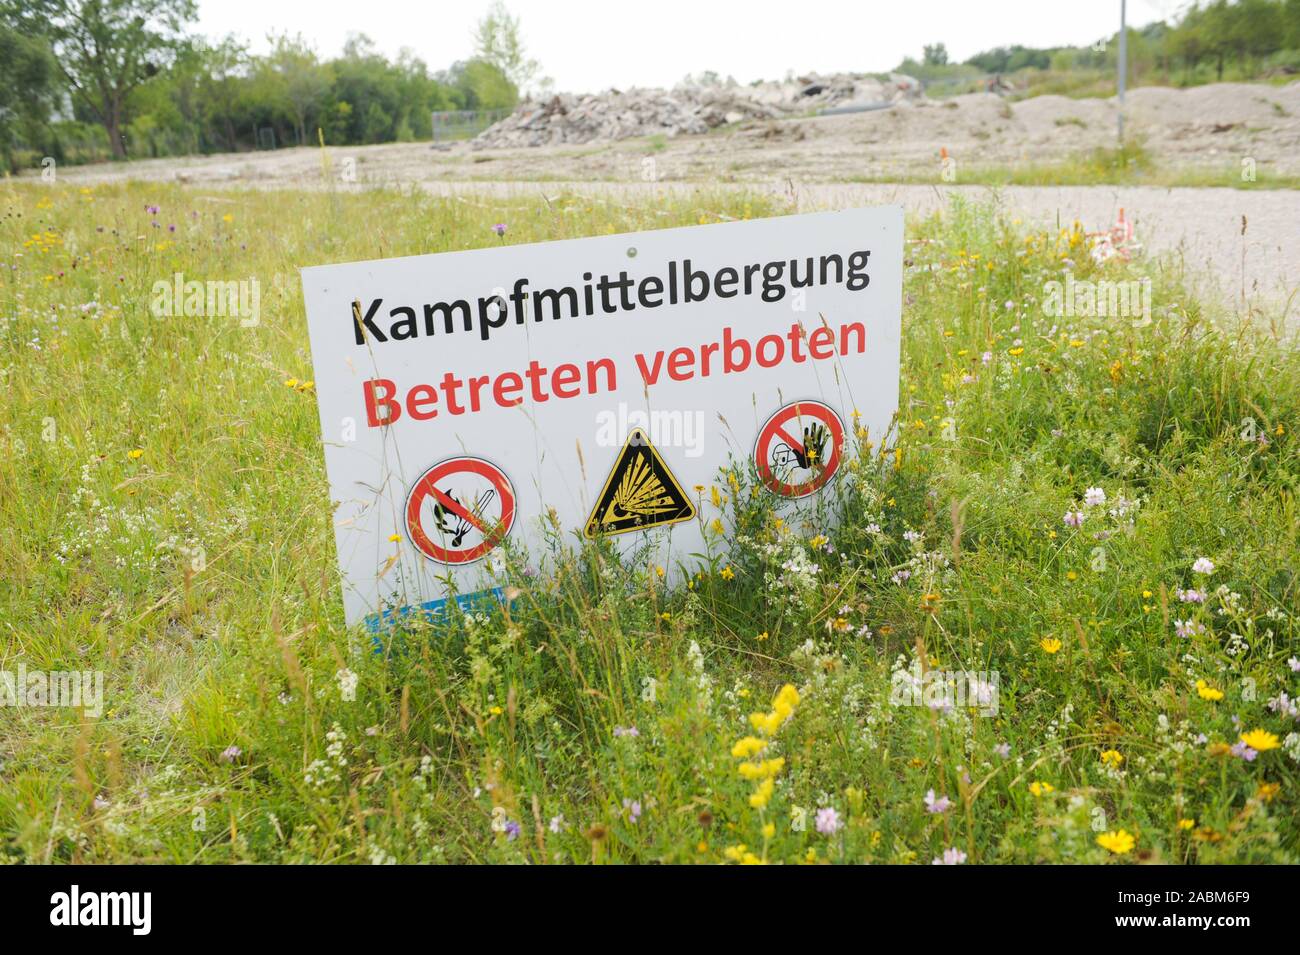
(1123, 66)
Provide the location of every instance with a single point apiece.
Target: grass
(603, 716)
(1127, 165)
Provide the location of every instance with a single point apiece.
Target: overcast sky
(590, 45)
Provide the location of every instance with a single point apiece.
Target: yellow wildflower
(762, 770)
(1260, 740)
(1050, 644)
(1119, 843)
(748, 746)
(762, 795)
(1207, 692)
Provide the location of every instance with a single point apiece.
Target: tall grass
(598, 716)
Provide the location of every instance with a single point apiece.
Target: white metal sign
(467, 397)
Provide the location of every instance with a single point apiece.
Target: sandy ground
(821, 161)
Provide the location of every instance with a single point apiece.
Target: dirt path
(1201, 230)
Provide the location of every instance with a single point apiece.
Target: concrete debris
(687, 109)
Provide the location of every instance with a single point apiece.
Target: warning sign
(640, 493)
(526, 394)
(459, 510)
(799, 449)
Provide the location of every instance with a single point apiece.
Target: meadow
(1088, 525)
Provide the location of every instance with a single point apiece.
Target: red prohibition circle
(777, 427)
(426, 486)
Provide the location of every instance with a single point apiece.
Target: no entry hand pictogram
(799, 449)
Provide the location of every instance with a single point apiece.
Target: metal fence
(464, 123)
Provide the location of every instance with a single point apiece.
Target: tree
(107, 48)
(483, 85)
(1291, 25)
(299, 81)
(27, 71)
(498, 40)
(935, 55)
(223, 84)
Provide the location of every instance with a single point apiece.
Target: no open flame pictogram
(459, 510)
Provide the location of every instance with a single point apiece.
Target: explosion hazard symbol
(459, 510)
(639, 493)
(799, 449)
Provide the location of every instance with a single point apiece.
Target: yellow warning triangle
(639, 493)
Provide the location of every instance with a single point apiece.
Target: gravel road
(1199, 230)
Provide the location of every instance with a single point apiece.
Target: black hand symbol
(814, 442)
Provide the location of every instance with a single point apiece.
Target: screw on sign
(459, 510)
(799, 449)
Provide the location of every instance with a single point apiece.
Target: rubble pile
(686, 109)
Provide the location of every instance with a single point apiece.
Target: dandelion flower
(1119, 843)
(1050, 644)
(1260, 740)
(135, 454)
